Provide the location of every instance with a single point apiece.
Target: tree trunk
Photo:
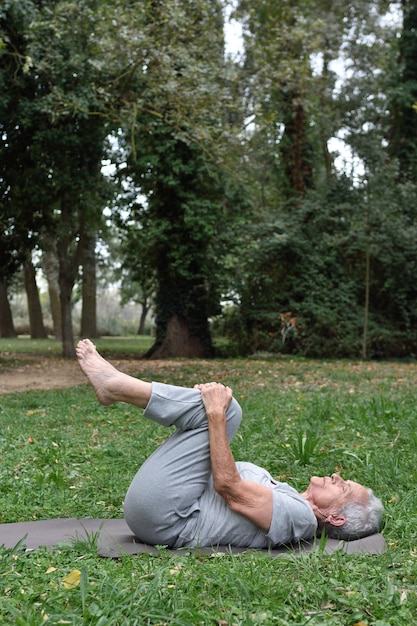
(403, 144)
(7, 329)
(366, 307)
(89, 289)
(142, 319)
(51, 269)
(178, 342)
(65, 293)
(37, 328)
(295, 148)
(68, 268)
(182, 326)
(326, 102)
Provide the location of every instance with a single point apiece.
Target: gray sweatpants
(162, 503)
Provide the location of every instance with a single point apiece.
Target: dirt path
(48, 374)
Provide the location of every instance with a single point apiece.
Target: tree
(184, 200)
(289, 47)
(50, 266)
(18, 223)
(6, 319)
(284, 266)
(372, 121)
(11, 257)
(37, 328)
(403, 136)
(172, 162)
(54, 129)
(89, 288)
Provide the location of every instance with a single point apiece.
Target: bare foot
(101, 374)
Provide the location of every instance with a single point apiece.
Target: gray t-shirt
(213, 523)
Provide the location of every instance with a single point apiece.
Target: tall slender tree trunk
(295, 149)
(68, 268)
(65, 292)
(89, 288)
(37, 327)
(403, 144)
(367, 297)
(142, 320)
(51, 269)
(7, 329)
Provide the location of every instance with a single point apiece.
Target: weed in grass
(303, 447)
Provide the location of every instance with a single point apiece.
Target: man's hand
(216, 399)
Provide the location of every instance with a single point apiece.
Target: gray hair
(361, 519)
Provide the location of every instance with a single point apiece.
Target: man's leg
(162, 502)
(111, 385)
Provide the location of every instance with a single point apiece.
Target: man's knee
(150, 514)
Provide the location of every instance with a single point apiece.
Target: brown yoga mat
(114, 539)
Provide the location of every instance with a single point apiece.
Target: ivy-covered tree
(184, 213)
(175, 161)
(403, 137)
(289, 48)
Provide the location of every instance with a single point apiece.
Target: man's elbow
(228, 490)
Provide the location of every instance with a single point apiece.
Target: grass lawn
(123, 347)
(63, 454)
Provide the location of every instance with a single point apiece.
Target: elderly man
(191, 492)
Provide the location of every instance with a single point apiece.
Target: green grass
(62, 454)
(122, 347)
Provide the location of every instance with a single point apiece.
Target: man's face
(327, 495)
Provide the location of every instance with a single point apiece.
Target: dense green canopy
(227, 209)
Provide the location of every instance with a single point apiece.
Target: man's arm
(248, 498)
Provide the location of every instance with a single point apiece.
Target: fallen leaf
(404, 595)
(72, 579)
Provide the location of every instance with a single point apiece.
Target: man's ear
(336, 520)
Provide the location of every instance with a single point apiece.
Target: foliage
(312, 264)
(404, 95)
(52, 132)
(295, 266)
(338, 258)
(362, 415)
(227, 187)
(180, 228)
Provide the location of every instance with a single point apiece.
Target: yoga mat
(114, 539)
